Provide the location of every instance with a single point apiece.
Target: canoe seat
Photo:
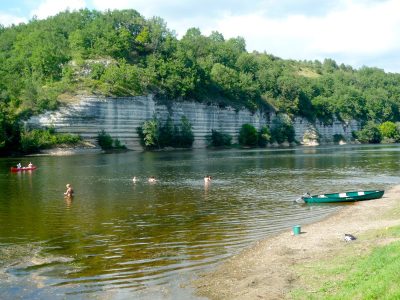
(321, 196)
(342, 195)
(361, 193)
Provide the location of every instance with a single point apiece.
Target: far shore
(267, 270)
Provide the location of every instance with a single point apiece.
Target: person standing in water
(207, 179)
(69, 192)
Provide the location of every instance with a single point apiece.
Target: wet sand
(266, 270)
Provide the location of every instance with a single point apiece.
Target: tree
(186, 133)
(390, 130)
(369, 134)
(282, 129)
(264, 136)
(248, 135)
(151, 133)
(220, 139)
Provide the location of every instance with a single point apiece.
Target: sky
(353, 32)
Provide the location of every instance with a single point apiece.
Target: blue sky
(353, 32)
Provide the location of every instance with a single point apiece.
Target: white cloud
(7, 20)
(52, 7)
(351, 32)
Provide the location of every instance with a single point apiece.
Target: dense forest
(46, 62)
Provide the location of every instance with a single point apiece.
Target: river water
(121, 240)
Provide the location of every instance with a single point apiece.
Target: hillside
(120, 53)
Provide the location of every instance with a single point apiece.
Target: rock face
(120, 117)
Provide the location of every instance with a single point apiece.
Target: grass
(359, 271)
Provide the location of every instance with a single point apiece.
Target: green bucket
(296, 230)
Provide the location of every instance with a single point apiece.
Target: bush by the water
(154, 135)
(264, 136)
(390, 131)
(37, 139)
(220, 139)
(369, 134)
(106, 142)
(248, 136)
(282, 129)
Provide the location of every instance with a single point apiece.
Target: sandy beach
(267, 270)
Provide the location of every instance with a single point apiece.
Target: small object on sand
(349, 237)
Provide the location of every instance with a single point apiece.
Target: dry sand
(266, 269)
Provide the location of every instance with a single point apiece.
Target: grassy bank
(368, 268)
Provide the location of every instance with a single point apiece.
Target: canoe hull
(344, 197)
(14, 169)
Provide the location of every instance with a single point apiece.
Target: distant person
(134, 179)
(19, 166)
(30, 165)
(152, 179)
(207, 179)
(69, 192)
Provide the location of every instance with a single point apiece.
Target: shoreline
(266, 270)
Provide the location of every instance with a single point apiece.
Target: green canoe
(343, 197)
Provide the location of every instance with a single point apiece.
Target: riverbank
(270, 268)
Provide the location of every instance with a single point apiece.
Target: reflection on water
(120, 238)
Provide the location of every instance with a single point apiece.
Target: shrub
(219, 139)
(37, 139)
(186, 134)
(264, 136)
(282, 129)
(106, 142)
(369, 134)
(389, 130)
(248, 135)
(168, 133)
(153, 135)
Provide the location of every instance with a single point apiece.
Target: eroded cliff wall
(120, 117)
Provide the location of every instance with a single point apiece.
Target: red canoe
(14, 169)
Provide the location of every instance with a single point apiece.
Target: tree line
(121, 53)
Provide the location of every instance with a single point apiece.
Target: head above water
(68, 185)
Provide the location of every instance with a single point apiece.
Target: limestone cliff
(120, 117)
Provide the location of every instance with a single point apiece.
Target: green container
(296, 230)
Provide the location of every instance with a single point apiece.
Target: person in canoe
(69, 192)
(152, 179)
(30, 165)
(19, 166)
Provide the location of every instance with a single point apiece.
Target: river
(121, 240)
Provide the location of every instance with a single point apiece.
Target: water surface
(118, 239)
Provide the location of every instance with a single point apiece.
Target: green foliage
(154, 135)
(37, 139)
(390, 130)
(248, 135)
(220, 139)
(150, 131)
(369, 134)
(186, 137)
(282, 129)
(264, 136)
(371, 275)
(106, 142)
(120, 53)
